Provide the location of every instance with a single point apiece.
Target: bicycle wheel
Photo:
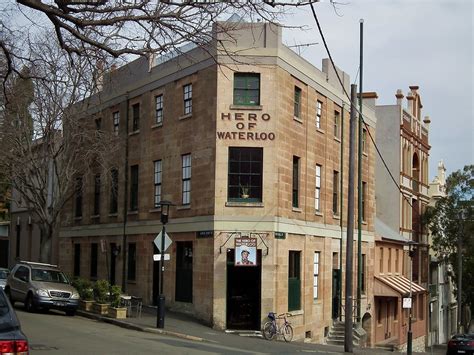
(287, 332)
(269, 330)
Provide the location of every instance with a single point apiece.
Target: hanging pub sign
(245, 251)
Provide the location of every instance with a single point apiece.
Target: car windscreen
(4, 274)
(45, 275)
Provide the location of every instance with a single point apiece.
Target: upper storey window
(297, 102)
(247, 89)
(188, 98)
(245, 174)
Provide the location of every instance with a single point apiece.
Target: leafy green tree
(450, 222)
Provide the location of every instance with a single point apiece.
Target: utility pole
(459, 294)
(348, 346)
(359, 180)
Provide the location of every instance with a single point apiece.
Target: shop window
(245, 174)
(247, 89)
(294, 281)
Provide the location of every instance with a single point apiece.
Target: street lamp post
(411, 253)
(160, 315)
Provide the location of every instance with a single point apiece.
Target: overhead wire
(360, 114)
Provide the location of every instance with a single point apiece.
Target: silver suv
(40, 285)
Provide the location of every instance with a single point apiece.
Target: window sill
(134, 133)
(95, 216)
(78, 218)
(156, 209)
(317, 213)
(364, 223)
(337, 139)
(246, 107)
(132, 282)
(336, 216)
(296, 209)
(113, 214)
(320, 130)
(296, 313)
(131, 213)
(243, 204)
(186, 116)
(297, 119)
(183, 207)
(365, 154)
(156, 125)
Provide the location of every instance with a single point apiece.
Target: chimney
(410, 100)
(399, 95)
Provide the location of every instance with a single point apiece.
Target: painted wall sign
(204, 234)
(246, 124)
(245, 251)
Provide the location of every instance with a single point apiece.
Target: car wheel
(71, 312)
(29, 305)
(9, 295)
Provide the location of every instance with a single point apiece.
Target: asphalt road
(54, 333)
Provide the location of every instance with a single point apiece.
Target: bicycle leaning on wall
(272, 329)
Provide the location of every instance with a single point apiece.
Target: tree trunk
(46, 243)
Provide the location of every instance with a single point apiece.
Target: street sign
(158, 241)
(157, 257)
(406, 302)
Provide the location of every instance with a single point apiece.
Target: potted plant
(244, 191)
(84, 287)
(115, 309)
(101, 297)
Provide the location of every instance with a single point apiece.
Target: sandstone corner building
(252, 149)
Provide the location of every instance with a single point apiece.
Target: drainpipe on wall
(125, 204)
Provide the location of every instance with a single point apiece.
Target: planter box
(86, 305)
(119, 313)
(100, 308)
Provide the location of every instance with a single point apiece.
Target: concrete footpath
(186, 327)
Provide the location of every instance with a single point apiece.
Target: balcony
(415, 186)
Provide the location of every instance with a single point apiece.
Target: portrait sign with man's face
(245, 251)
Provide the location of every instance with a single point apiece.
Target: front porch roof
(395, 286)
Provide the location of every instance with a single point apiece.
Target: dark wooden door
(184, 272)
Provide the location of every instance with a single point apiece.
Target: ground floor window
(294, 281)
(132, 262)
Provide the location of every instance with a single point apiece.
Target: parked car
(40, 285)
(3, 277)
(12, 339)
(461, 344)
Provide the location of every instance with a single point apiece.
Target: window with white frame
(188, 98)
(186, 184)
(317, 191)
(116, 121)
(319, 112)
(337, 124)
(157, 181)
(315, 274)
(159, 109)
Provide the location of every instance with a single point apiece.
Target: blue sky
(428, 43)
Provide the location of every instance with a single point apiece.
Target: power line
(361, 115)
